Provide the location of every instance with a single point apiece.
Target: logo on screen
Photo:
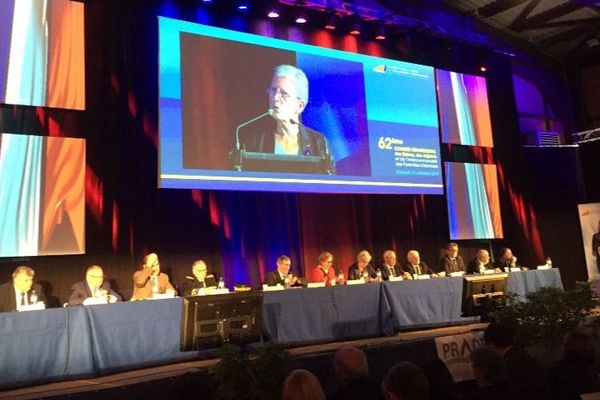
(380, 68)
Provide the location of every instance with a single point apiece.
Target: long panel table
(66, 343)
(423, 303)
(325, 314)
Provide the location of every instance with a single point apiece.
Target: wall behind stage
(240, 234)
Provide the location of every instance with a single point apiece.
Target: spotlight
(243, 6)
(301, 18)
(273, 13)
(207, 1)
(380, 34)
(355, 26)
(332, 22)
(483, 68)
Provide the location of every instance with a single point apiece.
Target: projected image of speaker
(210, 321)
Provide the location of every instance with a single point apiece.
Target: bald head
(350, 363)
(483, 256)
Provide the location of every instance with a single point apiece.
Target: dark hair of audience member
(405, 381)
(488, 369)
(499, 335)
(441, 383)
(301, 384)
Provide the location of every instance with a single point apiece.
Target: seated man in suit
(480, 263)
(93, 290)
(20, 291)
(200, 282)
(389, 266)
(506, 260)
(452, 262)
(415, 266)
(279, 276)
(149, 281)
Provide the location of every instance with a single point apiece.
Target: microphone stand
(236, 153)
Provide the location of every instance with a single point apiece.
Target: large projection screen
(42, 61)
(372, 122)
(42, 195)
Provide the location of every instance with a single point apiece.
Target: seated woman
(362, 268)
(324, 272)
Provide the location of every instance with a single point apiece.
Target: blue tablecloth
(523, 282)
(427, 302)
(55, 344)
(326, 314)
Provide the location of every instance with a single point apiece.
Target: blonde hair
(301, 384)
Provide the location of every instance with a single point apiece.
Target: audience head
(389, 257)
(452, 250)
(325, 259)
(283, 264)
(363, 257)
(487, 367)
(94, 276)
(439, 378)
(151, 261)
(199, 270)
(498, 336)
(405, 381)
(23, 278)
(350, 363)
(301, 384)
(579, 347)
(483, 256)
(413, 257)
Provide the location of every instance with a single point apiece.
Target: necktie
(417, 270)
(392, 271)
(22, 298)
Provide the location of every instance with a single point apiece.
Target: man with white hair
(415, 267)
(481, 263)
(288, 96)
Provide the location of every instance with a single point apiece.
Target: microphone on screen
(243, 124)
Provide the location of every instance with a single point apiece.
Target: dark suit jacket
(8, 302)
(81, 291)
(425, 270)
(458, 265)
(473, 267)
(191, 283)
(354, 273)
(310, 143)
(273, 279)
(385, 271)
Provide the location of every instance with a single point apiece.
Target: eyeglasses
(282, 93)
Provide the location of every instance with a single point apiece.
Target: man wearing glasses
(201, 282)
(288, 96)
(93, 290)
